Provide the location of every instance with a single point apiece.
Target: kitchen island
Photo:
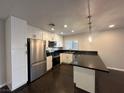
(88, 61)
(84, 63)
(84, 67)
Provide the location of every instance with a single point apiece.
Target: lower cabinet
(66, 58)
(49, 63)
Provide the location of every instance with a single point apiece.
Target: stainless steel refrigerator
(36, 58)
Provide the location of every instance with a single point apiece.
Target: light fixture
(65, 26)
(90, 38)
(89, 23)
(52, 29)
(52, 26)
(111, 26)
(72, 31)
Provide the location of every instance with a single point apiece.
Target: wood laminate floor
(60, 80)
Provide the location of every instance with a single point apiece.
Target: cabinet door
(18, 33)
(59, 40)
(49, 62)
(69, 58)
(66, 58)
(19, 67)
(61, 58)
(47, 36)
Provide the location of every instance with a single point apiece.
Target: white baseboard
(2, 85)
(116, 69)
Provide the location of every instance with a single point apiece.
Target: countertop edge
(107, 71)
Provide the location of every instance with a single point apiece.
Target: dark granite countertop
(57, 52)
(89, 61)
(85, 59)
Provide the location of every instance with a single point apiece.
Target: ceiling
(74, 13)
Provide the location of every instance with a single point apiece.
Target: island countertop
(93, 62)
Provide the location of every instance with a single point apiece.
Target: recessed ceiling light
(52, 29)
(65, 26)
(72, 31)
(111, 26)
(61, 33)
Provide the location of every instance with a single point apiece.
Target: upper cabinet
(18, 32)
(46, 37)
(53, 37)
(35, 33)
(59, 40)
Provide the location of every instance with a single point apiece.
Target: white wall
(2, 54)
(109, 44)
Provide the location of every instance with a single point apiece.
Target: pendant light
(90, 38)
(89, 22)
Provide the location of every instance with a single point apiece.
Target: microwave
(51, 43)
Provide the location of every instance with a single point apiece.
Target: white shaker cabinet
(53, 37)
(49, 63)
(59, 40)
(16, 57)
(66, 58)
(47, 37)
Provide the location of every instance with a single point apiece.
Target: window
(71, 44)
